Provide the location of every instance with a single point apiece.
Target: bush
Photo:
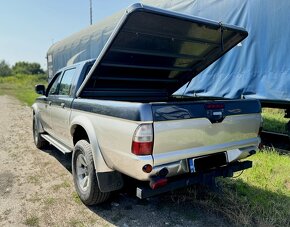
(27, 68)
(5, 69)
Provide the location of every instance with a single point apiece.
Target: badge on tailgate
(215, 112)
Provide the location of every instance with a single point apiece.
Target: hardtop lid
(153, 52)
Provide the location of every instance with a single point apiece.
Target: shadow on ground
(196, 206)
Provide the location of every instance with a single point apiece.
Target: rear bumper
(181, 167)
(203, 177)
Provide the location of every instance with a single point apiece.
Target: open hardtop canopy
(153, 52)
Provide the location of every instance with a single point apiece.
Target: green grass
(57, 187)
(258, 197)
(274, 120)
(76, 198)
(32, 221)
(22, 86)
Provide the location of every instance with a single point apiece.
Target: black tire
(89, 192)
(38, 140)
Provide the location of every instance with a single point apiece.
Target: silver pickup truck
(118, 114)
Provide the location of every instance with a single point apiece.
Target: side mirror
(40, 89)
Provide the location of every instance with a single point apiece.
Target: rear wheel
(84, 175)
(38, 140)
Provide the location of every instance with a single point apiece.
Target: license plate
(207, 162)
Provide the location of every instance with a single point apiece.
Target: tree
(27, 68)
(5, 69)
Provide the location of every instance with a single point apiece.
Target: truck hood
(153, 52)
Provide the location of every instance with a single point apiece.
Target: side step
(203, 177)
(56, 143)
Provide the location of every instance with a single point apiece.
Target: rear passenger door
(61, 108)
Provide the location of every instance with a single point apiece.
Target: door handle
(62, 105)
(49, 103)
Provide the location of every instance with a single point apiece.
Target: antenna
(91, 13)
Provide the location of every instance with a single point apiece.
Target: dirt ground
(36, 187)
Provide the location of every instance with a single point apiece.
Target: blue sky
(29, 27)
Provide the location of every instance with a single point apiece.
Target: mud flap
(110, 181)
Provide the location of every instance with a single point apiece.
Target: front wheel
(84, 175)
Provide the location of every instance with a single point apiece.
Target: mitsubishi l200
(118, 114)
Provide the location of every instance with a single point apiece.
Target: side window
(53, 90)
(66, 82)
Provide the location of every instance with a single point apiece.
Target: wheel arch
(35, 112)
(108, 179)
(82, 128)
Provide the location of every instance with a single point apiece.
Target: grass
(34, 179)
(64, 184)
(76, 198)
(50, 201)
(76, 223)
(274, 120)
(259, 197)
(32, 221)
(22, 87)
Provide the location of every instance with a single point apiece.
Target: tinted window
(66, 82)
(55, 86)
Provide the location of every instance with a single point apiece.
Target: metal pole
(91, 13)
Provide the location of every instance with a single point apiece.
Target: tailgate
(183, 130)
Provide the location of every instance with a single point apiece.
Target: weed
(76, 223)
(32, 221)
(34, 179)
(49, 201)
(76, 198)
(57, 187)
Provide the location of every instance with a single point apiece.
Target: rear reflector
(142, 143)
(158, 183)
(147, 168)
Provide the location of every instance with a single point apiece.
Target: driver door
(52, 91)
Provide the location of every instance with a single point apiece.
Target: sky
(29, 27)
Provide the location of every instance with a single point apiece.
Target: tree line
(20, 67)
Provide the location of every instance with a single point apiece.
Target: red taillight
(142, 148)
(142, 143)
